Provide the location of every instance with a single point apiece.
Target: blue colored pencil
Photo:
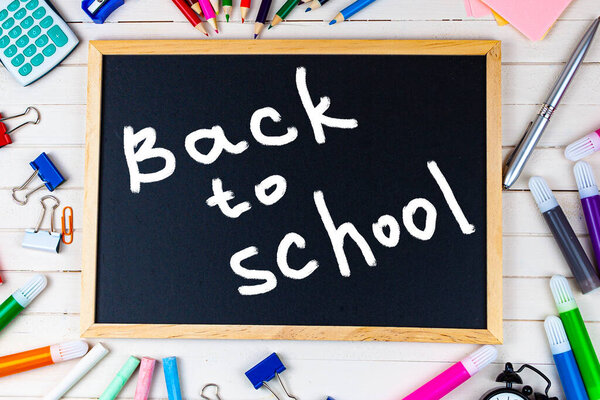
(351, 10)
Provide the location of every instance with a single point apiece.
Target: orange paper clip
(67, 232)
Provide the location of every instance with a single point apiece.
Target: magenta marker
(455, 376)
(590, 202)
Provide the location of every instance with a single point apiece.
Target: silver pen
(516, 161)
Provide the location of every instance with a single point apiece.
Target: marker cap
(583, 147)
(585, 180)
(542, 194)
(563, 296)
(27, 293)
(480, 359)
(68, 351)
(557, 337)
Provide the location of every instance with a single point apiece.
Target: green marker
(21, 299)
(227, 6)
(112, 391)
(283, 12)
(578, 336)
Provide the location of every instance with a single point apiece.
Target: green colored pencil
(283, 12)
(227, 7)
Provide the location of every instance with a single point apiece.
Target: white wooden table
(345, 371)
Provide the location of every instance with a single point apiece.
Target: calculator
(33, 38)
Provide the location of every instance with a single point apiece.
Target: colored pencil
(316, 4)
(351, 10)
(209, 14)
(194, 6)
(190, 15)
(283, 12)
(261, 17)
(244, 8)
(215, 6)
(227, 7)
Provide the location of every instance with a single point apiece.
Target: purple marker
(590, 202)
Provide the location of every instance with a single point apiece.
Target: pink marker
(455, 376)
(142, 389)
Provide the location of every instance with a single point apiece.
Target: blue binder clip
(266, 370)
(42, 167)
(43, 240)
(99, 10)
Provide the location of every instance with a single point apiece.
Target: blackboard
(272, 221)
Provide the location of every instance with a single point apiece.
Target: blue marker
(564, 360)
(172, 378)
(351, 10)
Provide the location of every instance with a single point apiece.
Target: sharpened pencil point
(242, 20)
(205, 34)
(227, 17)
(308, 9)
(333, 21)
(216, 30)
(255, 35)
(270, 26)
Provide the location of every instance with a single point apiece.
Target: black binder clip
(266, 370)
(48, 173)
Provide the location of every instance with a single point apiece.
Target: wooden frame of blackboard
(488, 48)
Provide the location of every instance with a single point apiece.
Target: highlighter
(590, 202)
(42, 357)
(455, 376)
(84, 366)
(583, 147)
(564, 360)
(580, 264)
(172, 378)
(142, 389)
(116, 385)
(21, 299)
(578, 336)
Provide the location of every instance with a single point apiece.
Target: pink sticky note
(475, 8)
(533, 18)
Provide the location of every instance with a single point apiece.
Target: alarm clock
(511, 377)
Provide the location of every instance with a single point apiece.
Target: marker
(283, 12)
(84, 366)
(455, 376)
(113, 389)
(209, 14)
(190, 15)
(315, 4)
(351, 10)
(42, 357)
(172, 378)
(580, 265)
(227, 7)
(21, 299)
(142, 389)
(590, 202)
(261, 17)
(564, 360)
(583, 147)
(244, 8)
(578, 336)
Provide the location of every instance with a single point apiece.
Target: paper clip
(43, 240)
(48, 173)
(217, 397)
(4, 134)
(67, 231)
(266, 370)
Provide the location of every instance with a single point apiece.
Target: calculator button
(39, 13)
(8, 23)
(48, 51)
(3, 14)
(58, 36)
(11, 51)
(30, 50)
(32, 4)
(22, 41)
(18, 60)
(27, 22)
(25, 69)
(13, 6)
(46, 22)
(37, 60)
(21, 13)
(16, 31)
(33, 32)
(41, 41)
(4, 41)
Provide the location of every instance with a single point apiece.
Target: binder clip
(99, 10)
(42, 167)
(67, 231)
(266, 370)
(5, 134)
(217, 397)
(43, 240)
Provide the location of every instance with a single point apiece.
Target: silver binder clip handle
(217, 397)
(36, 121)
(288, 394)
(23, 187)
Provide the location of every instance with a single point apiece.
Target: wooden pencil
(244, 8)
(349, 11)
(261, 17)
(227, 7)
(195, 6)
(215, 6)
(283, 12)
(209, 14)
(315, 4)
(190, 15)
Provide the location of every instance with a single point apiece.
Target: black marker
(580, 264)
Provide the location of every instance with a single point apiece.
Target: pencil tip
(216, 30)
(227, 17)
(243, 20)
(308, 9)
(270, 26)
(255, 35)
(205, 34)
(332, 22)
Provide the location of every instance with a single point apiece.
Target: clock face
(505, 395)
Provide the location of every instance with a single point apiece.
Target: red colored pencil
(244, 8)
(190, 15)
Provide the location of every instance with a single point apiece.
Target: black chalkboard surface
(227, 203)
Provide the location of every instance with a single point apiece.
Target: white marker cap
(542, 194)
(557, 337)
(583, 147)
(84, 366)
(585, 180)
(27, 293)
(480, 359)
(68, 351)
(563, 296)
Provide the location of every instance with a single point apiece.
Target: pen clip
(511, 156)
